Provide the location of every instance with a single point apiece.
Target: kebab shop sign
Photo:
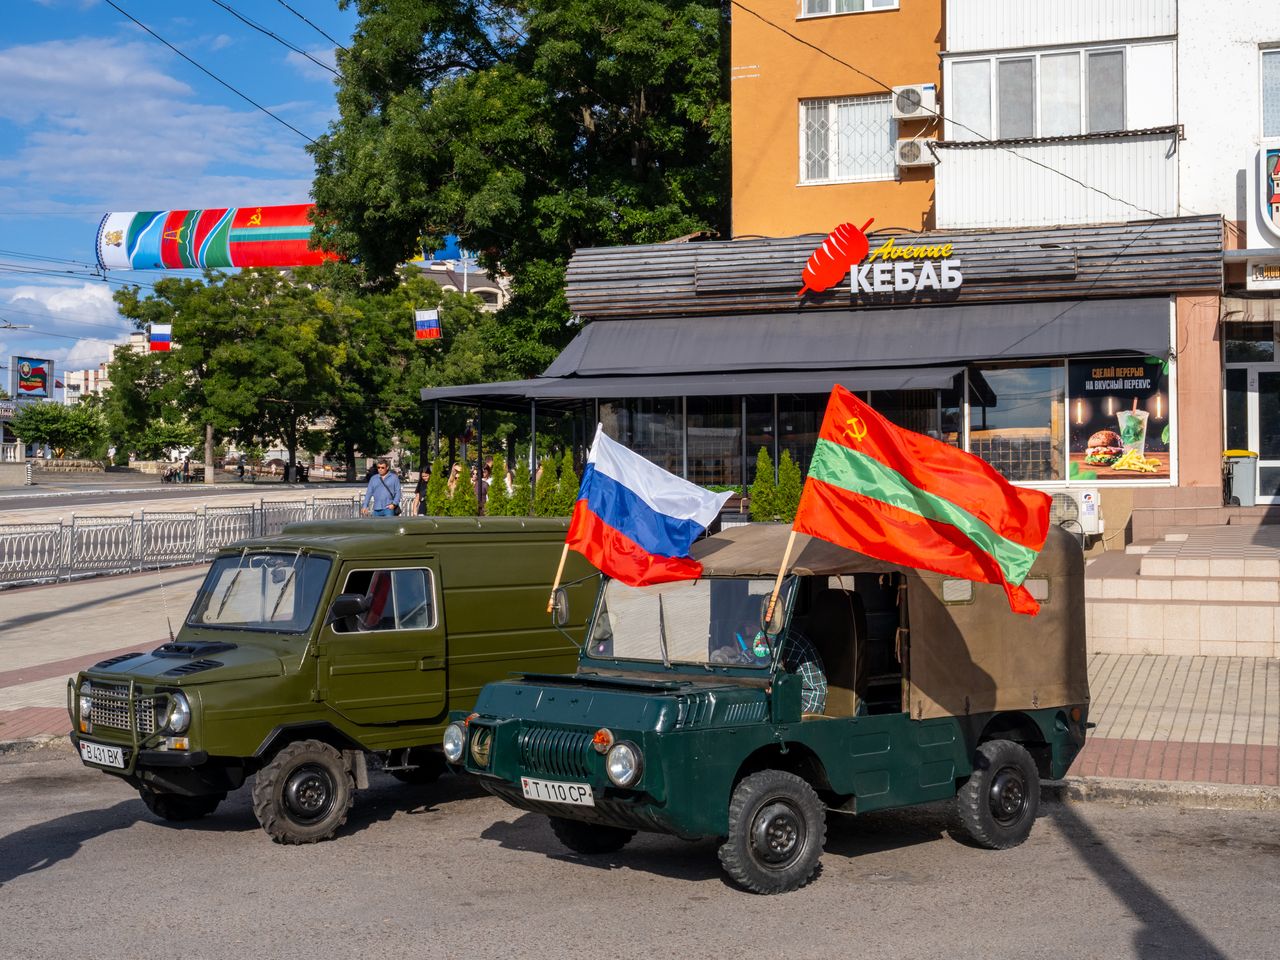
(891, 268)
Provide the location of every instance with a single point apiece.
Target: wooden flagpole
(564, 554)
(777, 584)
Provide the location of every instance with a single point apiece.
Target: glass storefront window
(799, 419)
(1018, 424)
(1250, 342)
(915, 410)
(652, 428)
(1237, 410)
(760, 433)
(715, 440)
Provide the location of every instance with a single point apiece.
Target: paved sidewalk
(1208, 720)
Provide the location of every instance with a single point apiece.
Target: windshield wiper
(231, 586)
(662, 635)
(284, 587)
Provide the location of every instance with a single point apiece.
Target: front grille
(114, 713)
(556, 753)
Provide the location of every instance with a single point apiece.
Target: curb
(34, 743)
(1191, 794)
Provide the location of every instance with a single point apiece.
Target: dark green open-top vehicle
(306, 654)
(691, 715)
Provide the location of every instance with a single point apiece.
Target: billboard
(1119, 415)
(30, 378)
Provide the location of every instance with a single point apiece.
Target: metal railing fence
(89, 545)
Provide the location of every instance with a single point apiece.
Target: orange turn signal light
(602, 740)
(1075, 714)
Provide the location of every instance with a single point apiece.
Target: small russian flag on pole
(160, 336)
(635, 521)
(426, 324)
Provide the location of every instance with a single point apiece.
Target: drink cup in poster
(1133, 430)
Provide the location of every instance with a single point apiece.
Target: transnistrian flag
(426, 324)
(160, 337)
(906, 498)
(634, 520)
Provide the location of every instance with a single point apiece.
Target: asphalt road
(447, 871)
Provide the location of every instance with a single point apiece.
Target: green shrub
(438, 489)
(789, 486)
(499, 502)
(521, 491)
(544, 492)
(764, 492)
(566, 486)
(463, 502)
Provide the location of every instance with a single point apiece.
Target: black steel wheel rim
(777, 833)
(308, 793)
(1008, 796)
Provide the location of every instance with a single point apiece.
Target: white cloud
(82, 310)
(326, 55)
(220, 41)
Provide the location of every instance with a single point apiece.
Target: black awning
(857, 339)
(517, 393)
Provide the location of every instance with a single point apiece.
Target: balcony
(1096, 178)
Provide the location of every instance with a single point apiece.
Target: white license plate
(578, 794)
(101, 754)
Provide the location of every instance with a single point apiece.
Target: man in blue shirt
(382, 495)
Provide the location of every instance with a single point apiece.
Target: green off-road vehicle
(690, 715)
(307, 653)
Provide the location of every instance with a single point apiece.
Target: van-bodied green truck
(690, 715)
(307, 653)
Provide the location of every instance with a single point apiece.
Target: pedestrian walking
(382, 495)
(186, 469)
(420, 492)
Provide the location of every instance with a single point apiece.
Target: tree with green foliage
(790, 485)
(463, 501)
(528, 128)
(545, 490)
(764, 491)
(159, 437)
(566, 486)
(521, 491)
(438, 489)
(498, 503)
(73, 431)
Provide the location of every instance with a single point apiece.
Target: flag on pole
(426, 324)
(634, 520)
(160, 336)
(906, 498)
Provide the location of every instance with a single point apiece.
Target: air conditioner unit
(1078, 510)
(916, 101)
(914, 153)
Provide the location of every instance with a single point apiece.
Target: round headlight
(622, 763)
(86, 699)
(179, 716)
(455, 737)
(481, 746)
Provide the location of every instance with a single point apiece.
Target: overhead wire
(274, 36)
(205, 70)
(311, 25)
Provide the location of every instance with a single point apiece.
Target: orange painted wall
(1200, 383)
(770, 73)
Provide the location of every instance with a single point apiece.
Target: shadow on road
(47, 844)
(662, 855)
(43, 613)
(1165, 932)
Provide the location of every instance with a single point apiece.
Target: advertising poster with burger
(1119, 414)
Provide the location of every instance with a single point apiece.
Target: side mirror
(559, 607)
(347, 605)
(772, 625)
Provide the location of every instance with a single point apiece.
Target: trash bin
(1241, 469)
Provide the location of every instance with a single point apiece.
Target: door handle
(431, 663)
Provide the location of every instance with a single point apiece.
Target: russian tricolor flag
(426, 324)
(160, 337)
(634, 520)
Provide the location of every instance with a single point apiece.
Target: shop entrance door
(1253, 421)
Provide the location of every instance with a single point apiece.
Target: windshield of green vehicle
(709, 621)
(261, 591)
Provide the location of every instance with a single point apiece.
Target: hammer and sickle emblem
(856, 429)
(256, 219)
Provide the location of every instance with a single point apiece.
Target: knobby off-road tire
(590, 838)
(304, 793)
(176, 808)
(430, 764)
(997, 806)
(777, 828)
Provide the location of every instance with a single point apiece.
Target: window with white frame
(1049, 94)
(1271, 93)
(821, 8)
(847, 138)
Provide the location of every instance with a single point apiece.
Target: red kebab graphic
(844, 246)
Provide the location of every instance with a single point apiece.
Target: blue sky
(97, 115)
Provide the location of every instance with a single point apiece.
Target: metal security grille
(556, 753)
(111, 709)
(847, 138)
